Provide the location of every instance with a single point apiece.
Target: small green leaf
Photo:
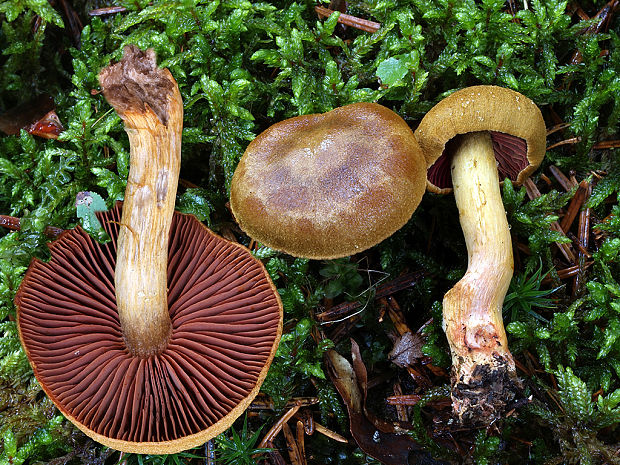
(391, 71)
(87, 204)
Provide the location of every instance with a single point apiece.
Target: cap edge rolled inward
(482, 108)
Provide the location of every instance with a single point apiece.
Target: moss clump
(243, 65)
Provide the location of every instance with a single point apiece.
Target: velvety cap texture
(226, 322)
(329, 185)
(515, 122)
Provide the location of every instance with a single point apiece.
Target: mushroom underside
(510, 153)
(226, 321)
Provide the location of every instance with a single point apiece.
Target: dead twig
(566, 183)
(277, 427)
(583, 241)
(301, 444)
(402, 400)
(401, 411)
(329, 433)
(607, 144)
(557, 127)
(262, 402)
(604, 16)
(575, 205)
(307, 419)
(293, 449)
(349, 20)
(571, 141)
(14, 224)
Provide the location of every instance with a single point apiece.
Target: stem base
(483, 392)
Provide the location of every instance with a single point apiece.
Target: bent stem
(148, 100)
(484, 379)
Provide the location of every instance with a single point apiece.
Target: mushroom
(226, 319)
(467, 138)
(329, 185)
(138, 361)
(148, 100)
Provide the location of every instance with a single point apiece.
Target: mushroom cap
(329, 185)
(515, 122)
(226, 323)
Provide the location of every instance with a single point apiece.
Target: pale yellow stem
(472, 309)
(142, 252)
(148, 100)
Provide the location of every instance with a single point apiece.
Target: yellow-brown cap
(329, 185)
(515, 122)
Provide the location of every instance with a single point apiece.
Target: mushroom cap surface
(226, 323)
(329, 185)
(515, 122)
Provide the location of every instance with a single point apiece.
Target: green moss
(243, 65)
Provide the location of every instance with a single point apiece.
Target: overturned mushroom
(329, 185)
(158, 340)
(467, 138)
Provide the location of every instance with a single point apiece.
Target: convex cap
(329, 185)
(514, 121)
(226, 322)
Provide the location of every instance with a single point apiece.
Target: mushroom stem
(148, 100)
(484, 377)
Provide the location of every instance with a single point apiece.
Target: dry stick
(607, 144)
(545, 178)
(329, 433)
(557, 127)
(396, 315)
(210, 452)
(274, 456)
(568, 272)
(299, 431)
(110, 10)
(348, 20)
(579, 11)
(305, 416)
(14, 224)
(344, 328)
(561, 178)
(401, 411)
(402, 400)
(575, 205)
(583, 241)
(533, 192)
(571, 141)
(275, 429)
(604, 15)
(261, 402)
(293, 449)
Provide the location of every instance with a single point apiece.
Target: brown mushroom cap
(226, 323)
(515, 122)
(329, 185)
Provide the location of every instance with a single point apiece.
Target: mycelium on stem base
(148, 100)
(483, 368)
